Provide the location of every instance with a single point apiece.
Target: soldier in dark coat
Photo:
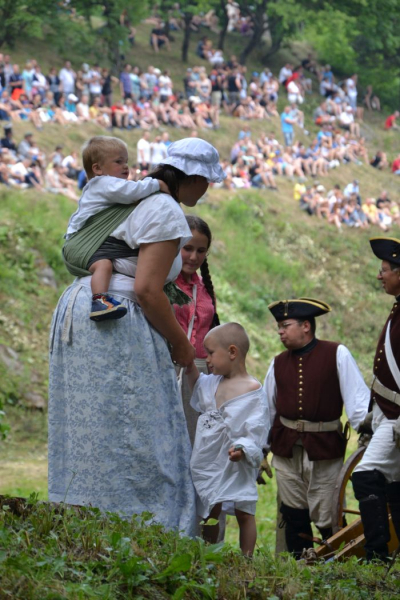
(376, 480)
(307, 386)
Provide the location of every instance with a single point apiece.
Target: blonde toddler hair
(96, 150)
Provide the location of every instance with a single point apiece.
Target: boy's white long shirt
(242, 420)
(104, 191)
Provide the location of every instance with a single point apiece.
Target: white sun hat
(195, 156)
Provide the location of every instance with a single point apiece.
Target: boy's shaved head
(230, 334)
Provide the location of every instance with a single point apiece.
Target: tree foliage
(113, 32)
(361, 36)
(24, 17)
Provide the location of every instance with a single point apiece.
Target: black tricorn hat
(298, 308)
(386, 249)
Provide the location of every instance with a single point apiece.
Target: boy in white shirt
(105, 160)
(230, 434)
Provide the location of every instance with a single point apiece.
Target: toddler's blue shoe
(105, 307)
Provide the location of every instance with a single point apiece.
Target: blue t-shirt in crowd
(286, 127)
(322, 134)
(125, 79)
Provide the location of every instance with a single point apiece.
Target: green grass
(52, 554)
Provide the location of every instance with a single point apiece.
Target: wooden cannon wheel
(339, 495)
(348, 540)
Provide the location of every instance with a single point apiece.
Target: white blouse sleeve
(270, 390)
(355, 392)
(156, 219)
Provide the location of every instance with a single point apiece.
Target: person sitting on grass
(159, 37)
(105, 160)
(379, 161)
(231, 432)
(346, 121)
(390, 122)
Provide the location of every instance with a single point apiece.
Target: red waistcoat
(308, 388)
(381, 367)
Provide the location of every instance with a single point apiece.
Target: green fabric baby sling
(82, 244)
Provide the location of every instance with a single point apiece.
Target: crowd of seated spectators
(257, 163)
(24, 165)
(148, 100)
(346, 208)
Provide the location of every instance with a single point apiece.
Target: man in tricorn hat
(376, 480)
(306, 387)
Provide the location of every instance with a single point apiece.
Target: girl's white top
(242, 420)
(104, 191)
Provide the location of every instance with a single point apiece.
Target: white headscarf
(195, 156)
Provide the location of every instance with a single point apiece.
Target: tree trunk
(275, 26)
(260, 26)
(254, 42)
(273, 49)
(224, 27)
(186, 36)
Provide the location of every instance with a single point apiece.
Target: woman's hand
(183, 354)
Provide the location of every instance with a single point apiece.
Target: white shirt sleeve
(104, 191)
(123, 191)
(355, 393)
(270, 391)
(247, 426)
(200, 387)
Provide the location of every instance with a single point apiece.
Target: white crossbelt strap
(383, 391)
(394, 369)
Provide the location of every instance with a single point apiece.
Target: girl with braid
(198, 317)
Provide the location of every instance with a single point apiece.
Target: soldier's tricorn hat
(298, 308)
(386, 249)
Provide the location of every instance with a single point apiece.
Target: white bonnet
(195, 156)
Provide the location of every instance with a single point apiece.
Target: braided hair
(197, 224)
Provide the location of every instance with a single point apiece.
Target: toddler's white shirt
(104, 191)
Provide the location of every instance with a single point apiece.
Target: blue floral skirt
(117, 432)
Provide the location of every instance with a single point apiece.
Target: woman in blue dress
(117, 432)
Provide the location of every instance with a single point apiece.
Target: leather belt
(309, 426)
(383, 391)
